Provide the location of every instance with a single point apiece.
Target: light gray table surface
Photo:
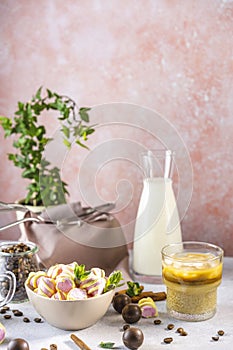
(109, 327)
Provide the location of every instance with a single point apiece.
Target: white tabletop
(41, 335)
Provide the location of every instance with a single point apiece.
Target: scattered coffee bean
(53, 347)
(7, 308)
(7, 316)
(221, 332)
(215, 338)
(183, 333)
(26, 319)
(180, 330)
(168, 340)
(38, 320)
(43, 349)
(17, 313)
(125, 326)
(170, 326)
(2, 311)
(157, 321)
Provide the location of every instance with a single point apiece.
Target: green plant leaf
(50, 94)
(133, 289)
(67, 143)
(106, 345)
(80, 273)
(66, 131)
(6, 123)
(28, 173)
(83, 112)
(81, 144)
(38, 93)
(113, 281)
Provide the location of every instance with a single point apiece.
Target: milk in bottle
(157, 221)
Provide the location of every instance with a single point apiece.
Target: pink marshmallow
(76, 294)
(46, 287)
(93, 286)
(64, 284)
(59, 296)
(55, 270)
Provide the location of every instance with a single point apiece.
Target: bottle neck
(158, 180)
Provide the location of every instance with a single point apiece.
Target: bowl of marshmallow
(70, 297)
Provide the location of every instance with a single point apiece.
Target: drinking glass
(192, 271)
(7, 287)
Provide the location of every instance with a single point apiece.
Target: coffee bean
(157, 321)
(170, 326)
(221, 332)
(215, 338)
(180, 330)
(17, 313)
(2, 311)
(53, 347)
(125, 326)
(183, 333)
(26, 319)
(168, 340)
(7, 316)
(37, 320)
(7, 308)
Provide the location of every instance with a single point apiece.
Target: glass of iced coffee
(192, 271)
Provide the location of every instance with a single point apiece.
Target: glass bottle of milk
(157, 221)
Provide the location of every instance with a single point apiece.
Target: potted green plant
(30, 139)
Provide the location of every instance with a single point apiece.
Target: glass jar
(20, 259)
(192, 271)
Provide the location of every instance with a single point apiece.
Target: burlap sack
(101, 243)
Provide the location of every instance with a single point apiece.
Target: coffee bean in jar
(19, 258)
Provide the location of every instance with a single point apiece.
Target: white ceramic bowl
(71, 314)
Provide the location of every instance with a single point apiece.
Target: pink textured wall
(174, 57)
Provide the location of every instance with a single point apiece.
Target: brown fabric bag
(101, 243)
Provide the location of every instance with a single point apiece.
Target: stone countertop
(108, 329)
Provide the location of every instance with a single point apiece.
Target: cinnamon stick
(156, 296)
(79, 342)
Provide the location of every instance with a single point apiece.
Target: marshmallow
(72, 265)
(46, 287)
(93, 286)
(35, 278)
(54, 270)
(148, 307)
(76, 294)
(2, 333)
(29, 279)
(96, 271)
(68, 270)
(59, 296)
(64, 284)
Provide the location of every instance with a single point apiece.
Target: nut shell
(131, 313)
(119, 301)
(18, 344)
(133, 338)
